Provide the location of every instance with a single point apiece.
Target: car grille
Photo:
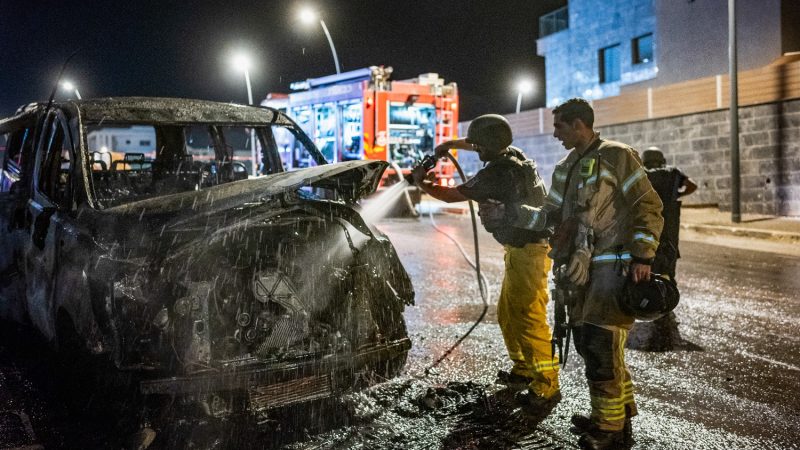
(293, 391)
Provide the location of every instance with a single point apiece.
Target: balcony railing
(554, 22)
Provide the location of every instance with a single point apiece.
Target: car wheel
(90, 382)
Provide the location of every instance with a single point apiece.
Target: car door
(16, 138)
(49, 208)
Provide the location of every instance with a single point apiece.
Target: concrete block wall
(699, 145)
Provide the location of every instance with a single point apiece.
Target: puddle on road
(413, 414)
(404, 413)
(661, 335)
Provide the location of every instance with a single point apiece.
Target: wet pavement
(732, 383)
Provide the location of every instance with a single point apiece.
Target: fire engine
(362, 114)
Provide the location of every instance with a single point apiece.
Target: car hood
(351, 180)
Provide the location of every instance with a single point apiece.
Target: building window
(609, 66)
(642, 49)
(554, 22)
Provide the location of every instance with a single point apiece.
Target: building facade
(693, 36)
(593, 49)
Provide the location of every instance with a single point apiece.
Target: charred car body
(127, 226)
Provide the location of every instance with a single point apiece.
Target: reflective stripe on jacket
(609, 192)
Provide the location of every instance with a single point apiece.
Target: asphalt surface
(732, 384)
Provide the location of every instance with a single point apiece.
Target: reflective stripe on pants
(610, 384)
(521, 314)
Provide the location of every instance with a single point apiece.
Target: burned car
(130, 231)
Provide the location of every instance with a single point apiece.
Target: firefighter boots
(582, 424)
(513, 380)
(602, 440)
(532, 400)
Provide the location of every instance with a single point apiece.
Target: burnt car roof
(167, 110)
(359, 177)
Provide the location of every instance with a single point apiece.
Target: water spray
(378, 208)
(406, 182)
(428, 163)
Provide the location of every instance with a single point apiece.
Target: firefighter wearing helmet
(508, 177)
(608, 220)
(672, 185)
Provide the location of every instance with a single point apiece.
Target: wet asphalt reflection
(731, 383)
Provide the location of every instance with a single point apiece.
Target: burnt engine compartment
(275, 287)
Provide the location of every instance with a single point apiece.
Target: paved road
(733, 385)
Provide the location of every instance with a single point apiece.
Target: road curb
(727, 230)
(756, 233)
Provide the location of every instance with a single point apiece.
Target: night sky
(183, 48)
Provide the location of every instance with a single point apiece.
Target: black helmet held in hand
(491, 131)
(649, 300)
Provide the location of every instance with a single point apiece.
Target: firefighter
(671, 184)
(509, 177)
(602, 201)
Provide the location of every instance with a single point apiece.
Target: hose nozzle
(427, 163)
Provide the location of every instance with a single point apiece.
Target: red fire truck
(363, 114)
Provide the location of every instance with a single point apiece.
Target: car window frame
(26, 124)
(43, 158)
(12, 171)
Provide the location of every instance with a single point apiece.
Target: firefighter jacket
(509, 179)
(606, 188)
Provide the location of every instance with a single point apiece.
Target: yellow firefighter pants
(600, 330)
(521, 313)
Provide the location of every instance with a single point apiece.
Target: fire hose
(428, 162)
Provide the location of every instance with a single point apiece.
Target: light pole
(523, 87)
(68, 86)
(242, 63)
(308, 16)
(736, 213)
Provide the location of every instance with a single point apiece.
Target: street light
(308, 16)
(736, 213)
(523, 87)
(241, 62)
(68, 86)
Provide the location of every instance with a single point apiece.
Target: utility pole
(736, 215)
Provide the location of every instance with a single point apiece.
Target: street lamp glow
(68, 86)
(524, 86)
(241, 62)
(309, 16)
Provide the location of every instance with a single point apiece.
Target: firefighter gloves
(578, 268)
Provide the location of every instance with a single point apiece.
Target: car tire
(91, 383)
